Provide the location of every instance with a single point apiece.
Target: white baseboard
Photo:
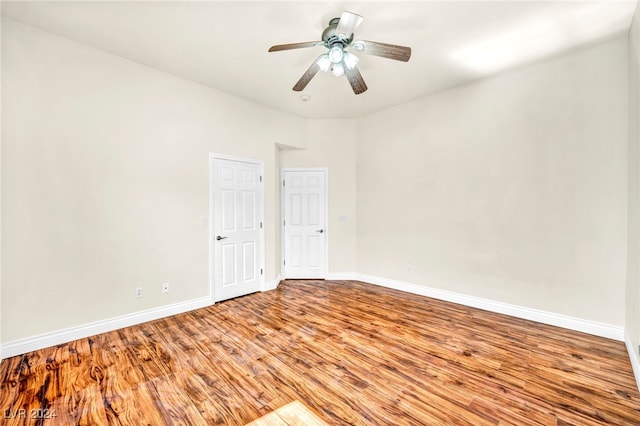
(271, 285)
(545, 317)
(21, 346)
(341, 276)
(634, 358)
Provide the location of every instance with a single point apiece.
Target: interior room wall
(332, 144)
(511, 188)
(632, 298)
(0, 187)
(105, 181)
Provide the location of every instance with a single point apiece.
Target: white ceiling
(224, 44)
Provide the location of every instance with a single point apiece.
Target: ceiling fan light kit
(337, 37)
(324, 63)
(336, 54)
(337, 70)
(350, 60)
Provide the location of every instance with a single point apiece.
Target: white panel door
(237, 237)
(304, 224)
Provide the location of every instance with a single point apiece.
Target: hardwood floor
(353, 353)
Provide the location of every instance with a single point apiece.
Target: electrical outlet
(138, 291)
(165, 287)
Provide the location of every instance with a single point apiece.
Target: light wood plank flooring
(352, 353)
(292, 414)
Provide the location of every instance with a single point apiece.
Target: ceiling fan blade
(307, 76)
(348, 23)
(389, 51)
(279, 47)
(355, 80)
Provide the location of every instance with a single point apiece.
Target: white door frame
(325, 171)
(213, 156)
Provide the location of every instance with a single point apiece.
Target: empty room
(320, 213)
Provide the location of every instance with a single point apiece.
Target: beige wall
(105, 181)
(632, 296)
(0, 187)
(512, 188)
(332, 144)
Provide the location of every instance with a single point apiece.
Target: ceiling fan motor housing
(330, 38)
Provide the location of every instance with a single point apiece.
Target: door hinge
(261, 271)
(260, 178)
(284, 223)
(260, 225)
(284, 262)
(282, 183)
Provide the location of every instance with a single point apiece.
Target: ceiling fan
(338, 37)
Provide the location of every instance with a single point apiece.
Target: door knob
(220, 238)
(320, 230)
